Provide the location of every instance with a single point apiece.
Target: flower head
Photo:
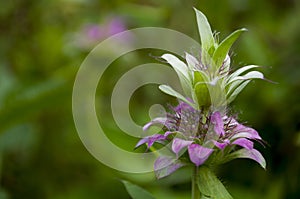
(189, 136)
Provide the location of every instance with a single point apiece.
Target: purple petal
(158, 120)
(150, 140)
(167, 133)
(217, 121)
(182, 106)
(251, 154)
(221, 145)
(164, 166)
(141, 142)
(198, 154)
(243, 142)
(155, 138)
(179, 144)
(247, 132)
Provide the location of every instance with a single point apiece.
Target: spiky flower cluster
(200, 129)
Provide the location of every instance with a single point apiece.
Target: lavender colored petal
(247, 132)
(164, 166)
(251, 154)
(182, 106)
(243, 142)
(198, 154)
(158, 120)
(150, 140)
(217, 120)
(167, 133)
(155, 138)
(141, 142)
(221, 145)
(179, 144)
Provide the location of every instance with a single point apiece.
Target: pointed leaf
(224, 47)
(233, 86)
(191, 61)
(210, 186)
(240, 71)
(202, 94)
(200, 76)
(206, 36)
(182, 71)
(177, 64)
(137, 192)
(170, 91)
(248, 76)
(237, 91)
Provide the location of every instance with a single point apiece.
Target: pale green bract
(204, 80)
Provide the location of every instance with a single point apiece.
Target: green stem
(195, 190)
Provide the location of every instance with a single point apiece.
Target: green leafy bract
(170, 91)
(206, 37)
(224, 47)
(210, 186)
(137, 192)
(202, 94)
(182, 71)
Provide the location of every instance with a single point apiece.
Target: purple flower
(91, 34)
(115, 26)
(232, 133)
(184, 121)
(190, 137)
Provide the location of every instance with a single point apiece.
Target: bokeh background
(42, 46)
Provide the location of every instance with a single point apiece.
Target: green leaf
(224, 47)
(202, 94)
(191, 61)
(240, 71)
(248, 76)
(170, 91)
(137, 192)
(182, 71)
(206, 36)
(236, 91)
(210, 186)
(177, 64)
(200, 76)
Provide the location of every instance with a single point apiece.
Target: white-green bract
(207, 80)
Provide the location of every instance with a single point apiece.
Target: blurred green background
(42, 46)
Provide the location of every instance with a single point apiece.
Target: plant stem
(195, 190)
